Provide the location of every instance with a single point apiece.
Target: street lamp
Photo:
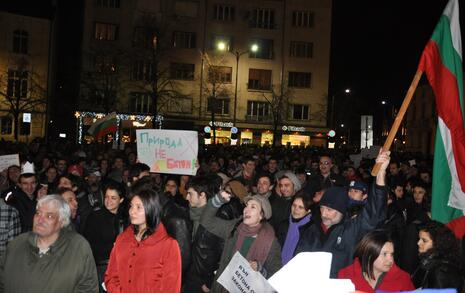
(222, 47)
(347, 91)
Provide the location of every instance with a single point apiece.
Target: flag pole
(400, 116)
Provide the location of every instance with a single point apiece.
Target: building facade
(24, 70)
(261, 66)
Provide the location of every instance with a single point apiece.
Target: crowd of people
(89, 218)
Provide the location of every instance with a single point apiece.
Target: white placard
(314, 268)
(8, 160)
(168, 151)
(27, 117)
(239, 277)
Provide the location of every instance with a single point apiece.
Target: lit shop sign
(138, 124)
(222, 124)
(293, 128)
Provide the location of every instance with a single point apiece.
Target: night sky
(376, 47)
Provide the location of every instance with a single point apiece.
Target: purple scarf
(292, 238)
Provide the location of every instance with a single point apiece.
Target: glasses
(325, 163)
(48, 216)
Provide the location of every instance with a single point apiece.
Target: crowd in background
(129, 229)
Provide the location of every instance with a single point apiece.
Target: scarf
(261, 245)
(195, 214)
(292, 237)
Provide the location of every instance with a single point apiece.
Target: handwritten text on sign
(168, 151)
(239, 277)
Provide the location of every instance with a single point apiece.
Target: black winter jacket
(341, 239)
(438, 272)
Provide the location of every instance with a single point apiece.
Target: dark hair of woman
(445, 245)
(153, 210)
(119, 188)
(306, 199)
(369, 248)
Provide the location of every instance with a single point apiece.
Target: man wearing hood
(288, 185)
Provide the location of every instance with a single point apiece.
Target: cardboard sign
(8, 160)
(239, 277)
(168, 151)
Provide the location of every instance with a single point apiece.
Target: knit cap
(295, 181)
(336, 198)
(264, 203)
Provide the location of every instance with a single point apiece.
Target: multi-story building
(255, 65)
(24, 70)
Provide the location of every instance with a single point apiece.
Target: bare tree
(102, 79)
(278, 100)
(22, 89)
(150, 72)
(215, 84)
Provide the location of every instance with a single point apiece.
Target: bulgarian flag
(442, 63)
(103, 126)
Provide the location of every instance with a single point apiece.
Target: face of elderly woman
(425, 242)
(252, 213)
(385, 259)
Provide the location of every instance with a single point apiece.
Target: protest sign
(168, 151)
(8, 160)
(314, 267)
(239, 277)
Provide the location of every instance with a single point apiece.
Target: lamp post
(347, 91)
(222, 47)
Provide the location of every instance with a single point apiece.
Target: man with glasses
(51, 258)
(326, 177)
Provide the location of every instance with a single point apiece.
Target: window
(183, 71)
(144, 38)
(300, 79)
(184, 40)
(20, 41)
(265, 49)
(17, 83)
(143, 70)
(224, 12)
(262, 18)
(300, 112)
(180, 105)
(259, 79)
(6, 125)
(105, 64)
(220, 105)
(226, 40)
(301, 49)
(258, 111)
(302, 18)
(140, 102)
(220, 74)
(108, 3)
(105, 31)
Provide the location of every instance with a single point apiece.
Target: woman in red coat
(145, 259)
(374, 268)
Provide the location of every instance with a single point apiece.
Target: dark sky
(376, 46)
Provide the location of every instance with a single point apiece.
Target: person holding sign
(253, 237)
(144, 257)
(374, 268)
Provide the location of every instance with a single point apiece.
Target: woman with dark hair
(144, 257)
(440, 262)
(104, 225)
(289, 230)
(374, 268)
